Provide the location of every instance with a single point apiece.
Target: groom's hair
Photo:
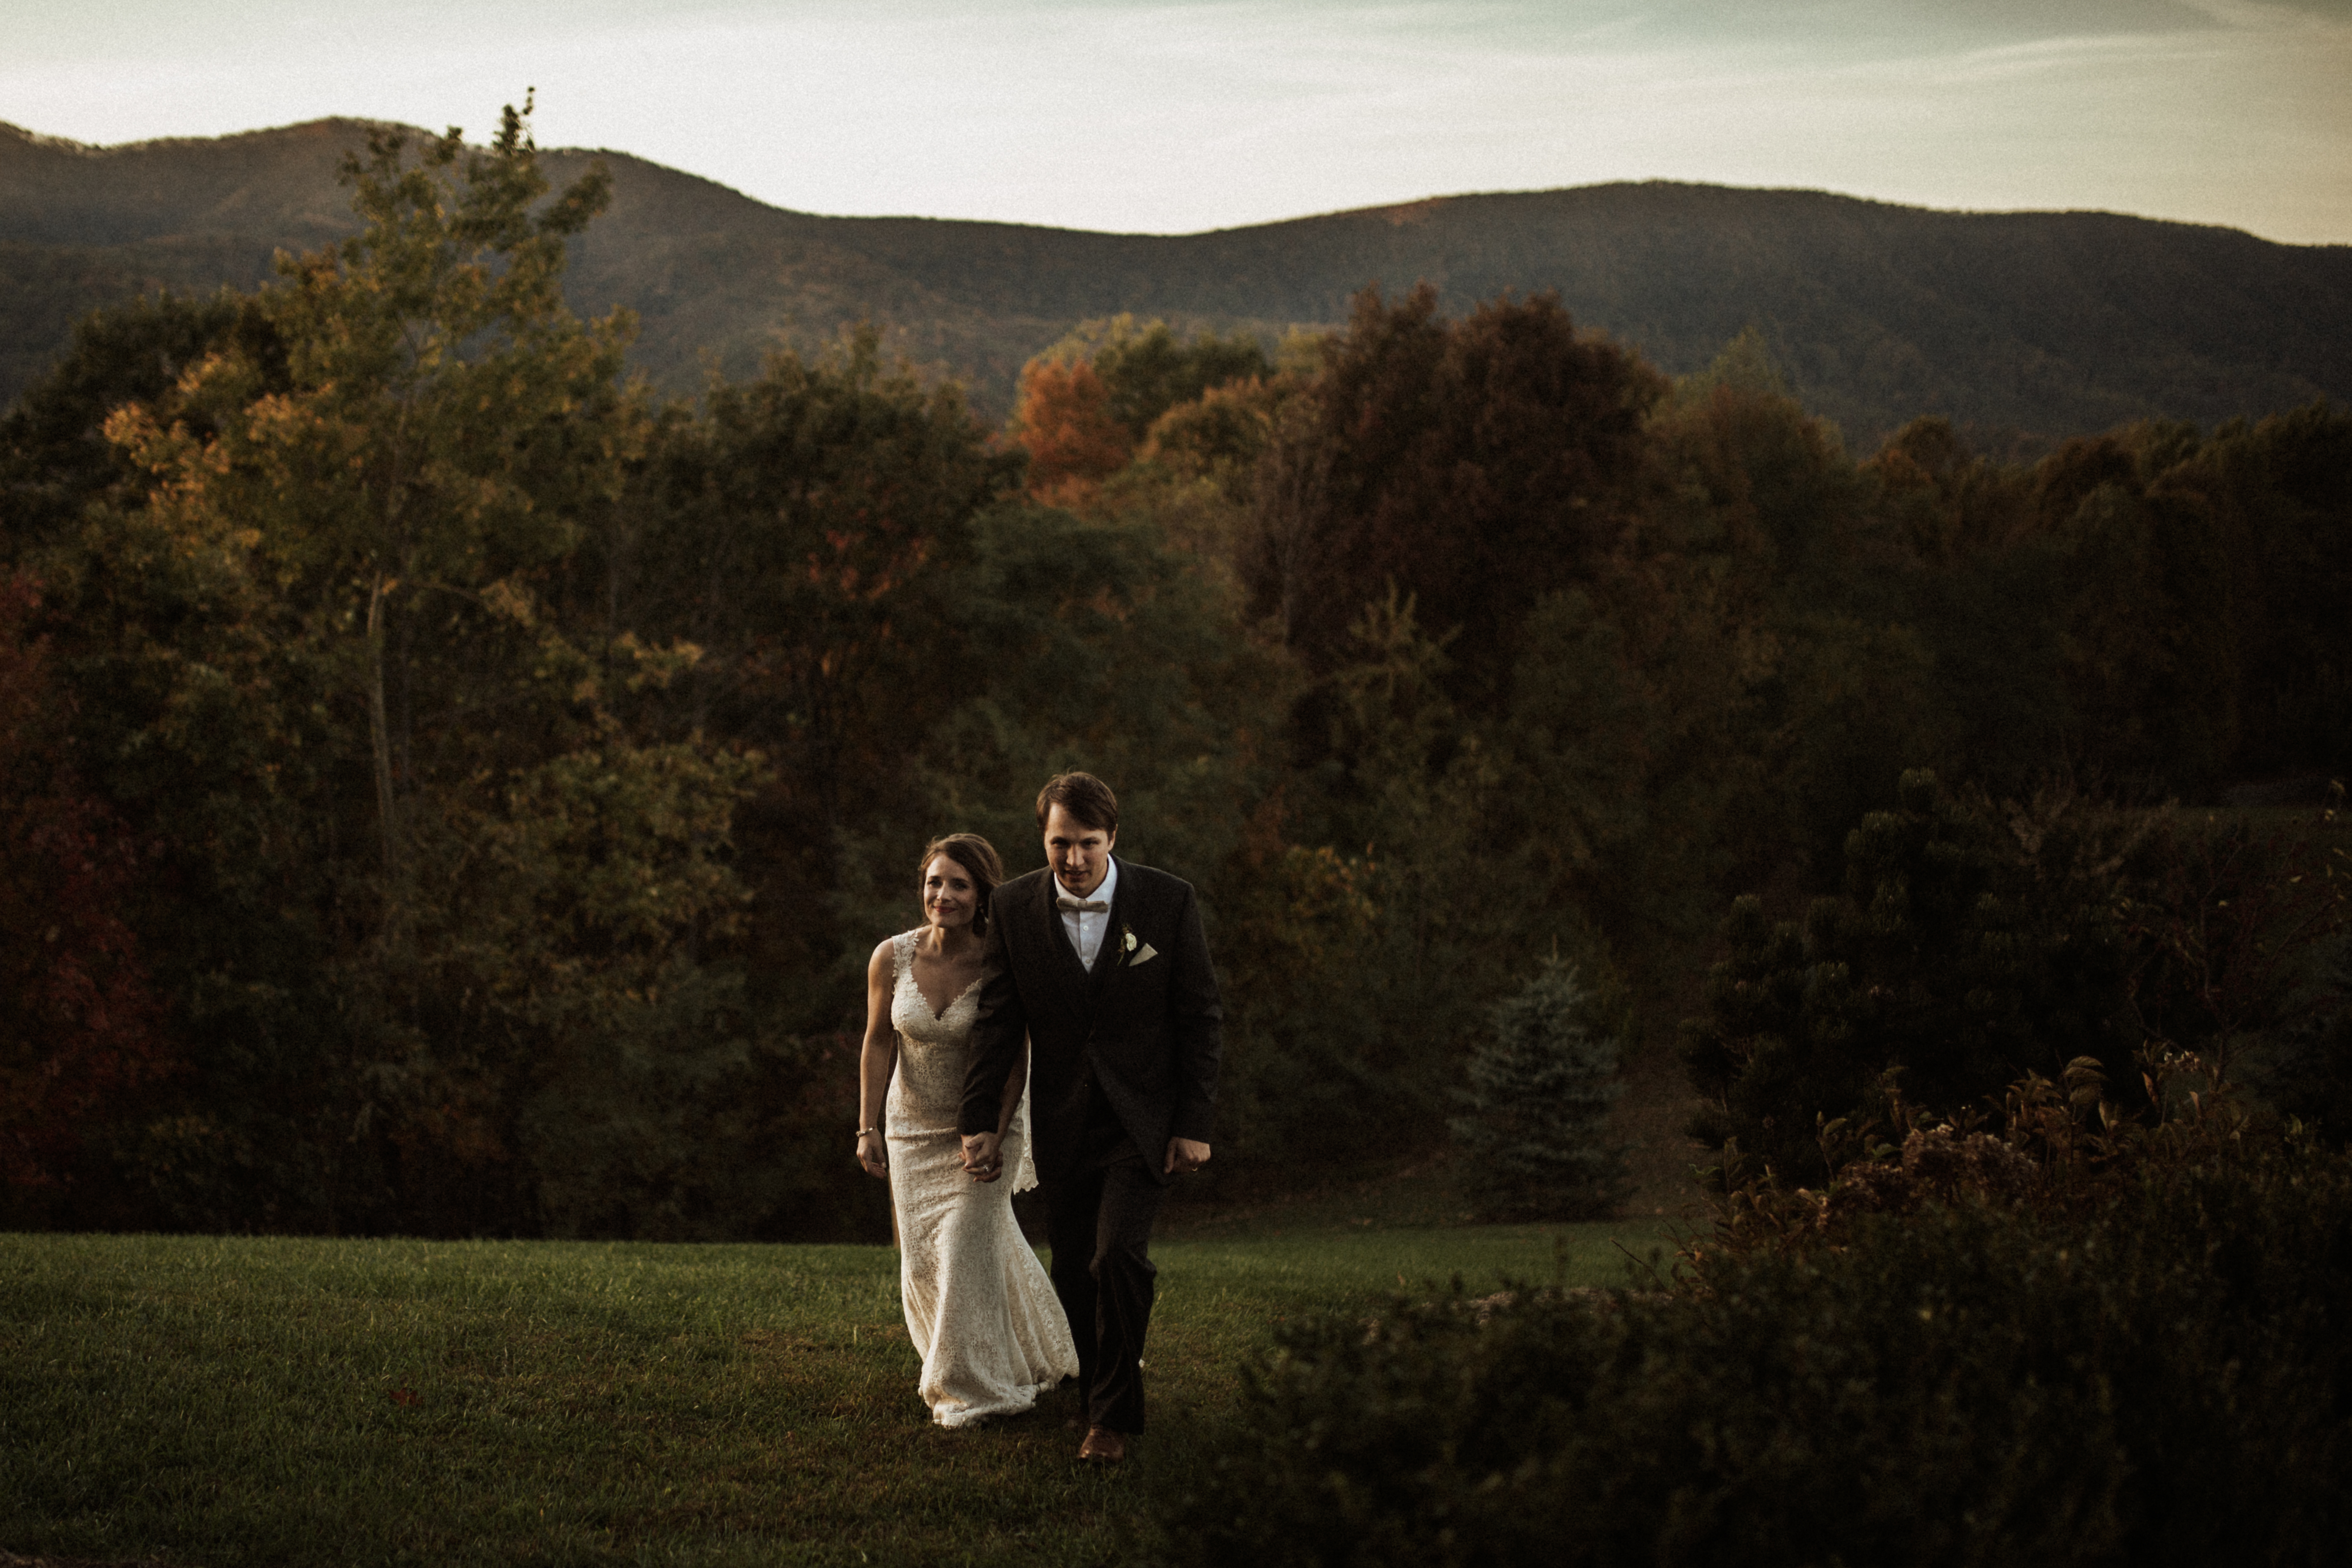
(1086, 798)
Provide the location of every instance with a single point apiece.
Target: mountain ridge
(2045, 322)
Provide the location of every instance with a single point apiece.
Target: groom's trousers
(1098, 1222)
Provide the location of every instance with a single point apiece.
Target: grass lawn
(215, 1401)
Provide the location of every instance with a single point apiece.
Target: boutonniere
(1137, 952)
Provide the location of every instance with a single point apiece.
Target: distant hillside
(2046, 323)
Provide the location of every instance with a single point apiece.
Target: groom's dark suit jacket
(1148, 1030)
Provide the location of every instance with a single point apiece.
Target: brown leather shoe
(1102, 1447)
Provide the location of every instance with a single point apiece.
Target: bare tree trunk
(1294, 494)
(379, 725)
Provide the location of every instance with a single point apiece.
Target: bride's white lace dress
(980, 1308)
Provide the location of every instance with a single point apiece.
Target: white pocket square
(1143, 954)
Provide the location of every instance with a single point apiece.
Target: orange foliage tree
(75, 1015)
(1065, 423)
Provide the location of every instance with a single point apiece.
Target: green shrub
(2308, 1072)
(1977, 942)
(1967, 950)
(2165, 1382)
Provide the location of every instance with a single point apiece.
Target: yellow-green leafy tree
(520, 882)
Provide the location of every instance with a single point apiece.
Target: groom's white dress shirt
(1086, 926)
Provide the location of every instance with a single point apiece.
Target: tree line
(451, 789)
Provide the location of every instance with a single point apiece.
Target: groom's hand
(1185, 1156)
(982, 1162)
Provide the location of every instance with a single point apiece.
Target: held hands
(1185, 1156)
(983, 1162)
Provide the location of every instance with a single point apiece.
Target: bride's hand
(982, 1160)
(871, 1155)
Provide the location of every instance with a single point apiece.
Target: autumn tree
(1220, 436)
(1147, 369)
(2282, 491)
(810, 533)
(1064, 423)
(391, 715)
(1089, 403)
(78, 1019)
(447, 422)
(55, 456)
(1475, 464)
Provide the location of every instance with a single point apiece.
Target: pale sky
(1171, 117)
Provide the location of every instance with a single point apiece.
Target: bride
(980, 1310)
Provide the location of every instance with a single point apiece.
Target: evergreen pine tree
(1537, 1121)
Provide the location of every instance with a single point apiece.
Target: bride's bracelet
(864, 1130)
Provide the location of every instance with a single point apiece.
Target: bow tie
(1092, 906)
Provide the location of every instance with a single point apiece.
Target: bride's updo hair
(976, 855)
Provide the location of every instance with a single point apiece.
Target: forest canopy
(449, 789)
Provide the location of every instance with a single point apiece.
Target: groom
(1101, 964)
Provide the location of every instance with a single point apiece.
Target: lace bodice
(934, 1056)
(934, 1048)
